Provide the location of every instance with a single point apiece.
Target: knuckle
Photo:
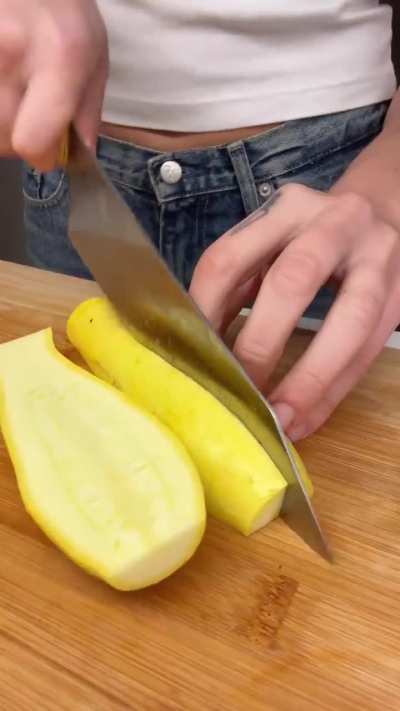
(77, 44)
(379, 253)
(251, 351)
(296, 273)
(72, 43)
(12, 38)
(312, 385)
(356, 207)
(384, 251)
(294, 191)
(389, 237)
(304, 389)
(219, 260)
(18, 144)
(367, 304)
(19, 141)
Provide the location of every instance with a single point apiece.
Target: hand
(53, 69)
(282, 254)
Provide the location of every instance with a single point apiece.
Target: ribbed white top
(204, 65)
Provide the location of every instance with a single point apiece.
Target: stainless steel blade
(136, 280)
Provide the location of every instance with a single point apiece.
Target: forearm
(375, 173)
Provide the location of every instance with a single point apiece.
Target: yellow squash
(108, 483)
(242, 485)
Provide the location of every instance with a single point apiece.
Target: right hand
(53, 70)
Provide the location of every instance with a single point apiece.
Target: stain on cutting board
(269, 609)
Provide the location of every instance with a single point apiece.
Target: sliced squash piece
(243, 487)
(108, 483)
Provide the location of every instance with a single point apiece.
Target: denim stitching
(374, 119)
(201, 207)
(124, 184)
(202, 236)
(317, 157)
(244, 176)
(161, 231)
(50, 201)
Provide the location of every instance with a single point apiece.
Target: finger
(9, 99)
(352, 374)
(13, 42)
(240, 254)
(348, 326)
(243, 297)
(88, 116)
(288, 288)
(49, 103)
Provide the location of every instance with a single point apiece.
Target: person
(257, 142)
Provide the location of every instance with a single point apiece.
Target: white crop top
(207, 65)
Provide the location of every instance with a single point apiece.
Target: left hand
(281, 255)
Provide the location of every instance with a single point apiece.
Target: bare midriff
(167, 141)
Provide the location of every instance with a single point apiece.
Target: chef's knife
(138, 283)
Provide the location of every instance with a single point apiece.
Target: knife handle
(63, 151)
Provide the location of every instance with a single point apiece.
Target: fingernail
(297, 433)
(284, 413)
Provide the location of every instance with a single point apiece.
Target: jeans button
(171, 172)
(264, 190)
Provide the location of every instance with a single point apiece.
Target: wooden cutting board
(258, 624)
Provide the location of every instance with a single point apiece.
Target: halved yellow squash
(242, 485)
(108, 483)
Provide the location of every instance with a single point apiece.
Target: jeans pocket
(44, 189)
(46, 210)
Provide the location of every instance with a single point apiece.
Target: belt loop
(244, 176)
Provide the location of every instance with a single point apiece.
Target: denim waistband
(268, 155)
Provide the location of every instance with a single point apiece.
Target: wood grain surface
(258, 624)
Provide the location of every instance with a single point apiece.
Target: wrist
(375, 176)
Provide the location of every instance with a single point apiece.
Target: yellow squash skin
(107, 482)
(242, 485)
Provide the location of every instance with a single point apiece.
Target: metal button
(264, 190)
(171, 172)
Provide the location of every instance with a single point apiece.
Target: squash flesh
(107, 482)
(243, 487)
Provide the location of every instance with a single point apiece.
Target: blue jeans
(215, 188)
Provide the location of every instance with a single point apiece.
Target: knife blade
(132, 275)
